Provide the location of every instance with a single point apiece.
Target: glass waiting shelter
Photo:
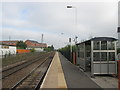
(98, 55)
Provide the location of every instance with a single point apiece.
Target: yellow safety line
(61, 78)
(55, 76)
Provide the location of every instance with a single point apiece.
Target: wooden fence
(20, 51)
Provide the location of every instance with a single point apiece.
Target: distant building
(6, 50)
(36, 45)
(30, 44)
(9, 43)
(118, 30)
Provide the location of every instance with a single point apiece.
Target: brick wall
(35, 44)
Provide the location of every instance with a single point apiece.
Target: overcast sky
(28, 20)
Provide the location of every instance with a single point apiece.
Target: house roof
(12, 42)
(32, 41)
(35, 44)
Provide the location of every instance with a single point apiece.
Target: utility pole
(9, 38)
(76, 39)
(70, 41)
(42, 39)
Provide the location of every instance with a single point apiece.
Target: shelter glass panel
(82, 48)
(78, 51)
(88, 47)
(111, 45)
(81, 54)
(103, 45)
(103, 56)
(96, 56)
(88, 54)
(111, 56)
(88, 50)
(96, 45)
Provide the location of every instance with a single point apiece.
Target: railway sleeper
(36, 76)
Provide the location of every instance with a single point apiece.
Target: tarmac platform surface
(63, 74)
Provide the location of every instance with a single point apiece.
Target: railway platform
(63, 74)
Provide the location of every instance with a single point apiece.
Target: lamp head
(69, 6)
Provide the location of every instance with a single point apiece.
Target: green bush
(21, 45)
(66, 51)
(32, 50)
(49, 48)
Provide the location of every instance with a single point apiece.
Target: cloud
(29, 20)
(49, 38)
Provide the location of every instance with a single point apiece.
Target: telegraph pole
(70, 41)
(42, 39)
(9, 38)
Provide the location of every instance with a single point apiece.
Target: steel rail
(19, 67)
(23, 79)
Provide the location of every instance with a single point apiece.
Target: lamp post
(75, 39)
(72, 7)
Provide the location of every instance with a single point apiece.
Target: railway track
(12, 70)
(34, 79)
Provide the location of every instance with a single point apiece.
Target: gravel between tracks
(14, 78)
(29, 58)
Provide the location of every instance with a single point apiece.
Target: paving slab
(106, 81)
